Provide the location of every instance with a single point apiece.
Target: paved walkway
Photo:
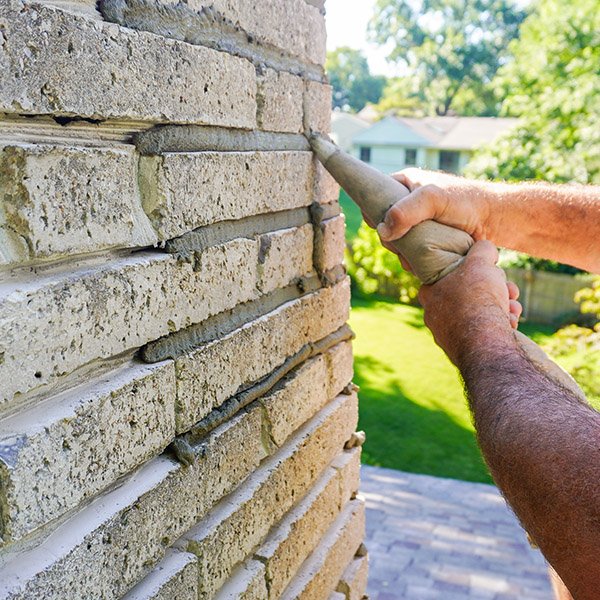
(452, 540)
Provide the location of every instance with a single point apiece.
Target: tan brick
(291, 25)
(299, 532)
(280, 98)
(55, 455)
(111, 544)
(321, 572)
(326, 188)
(175, 577)
(353, 583)
(246, 583)
(228, 534)
(285, 255)
(348, 464)
(334, 243)
(205, 378)
(340, 366)
(184, 191)
(56, 201)
(102, 311)
(55, 62)
(317, 106)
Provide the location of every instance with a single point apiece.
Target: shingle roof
(449, 133)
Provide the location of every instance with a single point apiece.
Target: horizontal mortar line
(68, 130)
(184, 341)
(183, 445)
(207, 138)
(208, 28)
(225, 231)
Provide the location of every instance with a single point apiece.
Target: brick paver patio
(452, 540)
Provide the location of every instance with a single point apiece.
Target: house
(444, 143)
(344, 126)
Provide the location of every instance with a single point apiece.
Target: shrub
(376, 270)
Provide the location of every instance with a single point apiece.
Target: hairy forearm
(558, 222)
(542, 446)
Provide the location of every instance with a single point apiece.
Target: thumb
(482, 252)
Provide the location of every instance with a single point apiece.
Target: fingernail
(384, 231)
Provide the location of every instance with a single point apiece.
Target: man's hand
(448, 199)
(473, 306)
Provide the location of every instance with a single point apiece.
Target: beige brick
(205, 378)
(321, 572)
(111, 544)
(280, 98)
(291, 25)
(340, 367)
(299, 532)
(348, 464)
(353, 583)
(175, 577)
(58, 453)
(55, 62)
(56, 201)
(326, 188)
(183, 191)
(285, 255)
(334, 242)
(247, 583)
(228, 534)
(317, 106)
(102, 311)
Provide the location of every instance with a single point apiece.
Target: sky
(347, 26)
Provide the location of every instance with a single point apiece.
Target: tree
(353, 84)
(553, 85)
(451, 45)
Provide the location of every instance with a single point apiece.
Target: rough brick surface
(299, 532)
(58, 453)
(60, 63)
(205, 378)
(183, 191)
(57, 201)
(105, 310)
(280, 102)
(353, 583)
(240, 521)
(326, 188)
(340, 367)
(175, 578)
(317, 106)
(333, 243)
(321, 572)
(114, 542)
(247, 583)
(284, 256)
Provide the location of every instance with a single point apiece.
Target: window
(365, 154)
(410, 156)
(449, 161)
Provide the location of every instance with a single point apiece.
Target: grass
(353, 216)
(411, 399)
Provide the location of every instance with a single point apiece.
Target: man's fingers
(407, 213)
(515, 308)
(513, 290)
(483, 251)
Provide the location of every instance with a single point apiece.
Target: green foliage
(450, 45)
(377, 270)
(520, 260)
(553, 85)
(403, 97)
(579, 347)
(353, 84)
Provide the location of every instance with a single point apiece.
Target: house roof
(446, 133)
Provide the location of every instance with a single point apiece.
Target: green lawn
(411, 400)
(353, 216)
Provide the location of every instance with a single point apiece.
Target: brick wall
(176, 412)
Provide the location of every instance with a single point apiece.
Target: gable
(390, 132)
